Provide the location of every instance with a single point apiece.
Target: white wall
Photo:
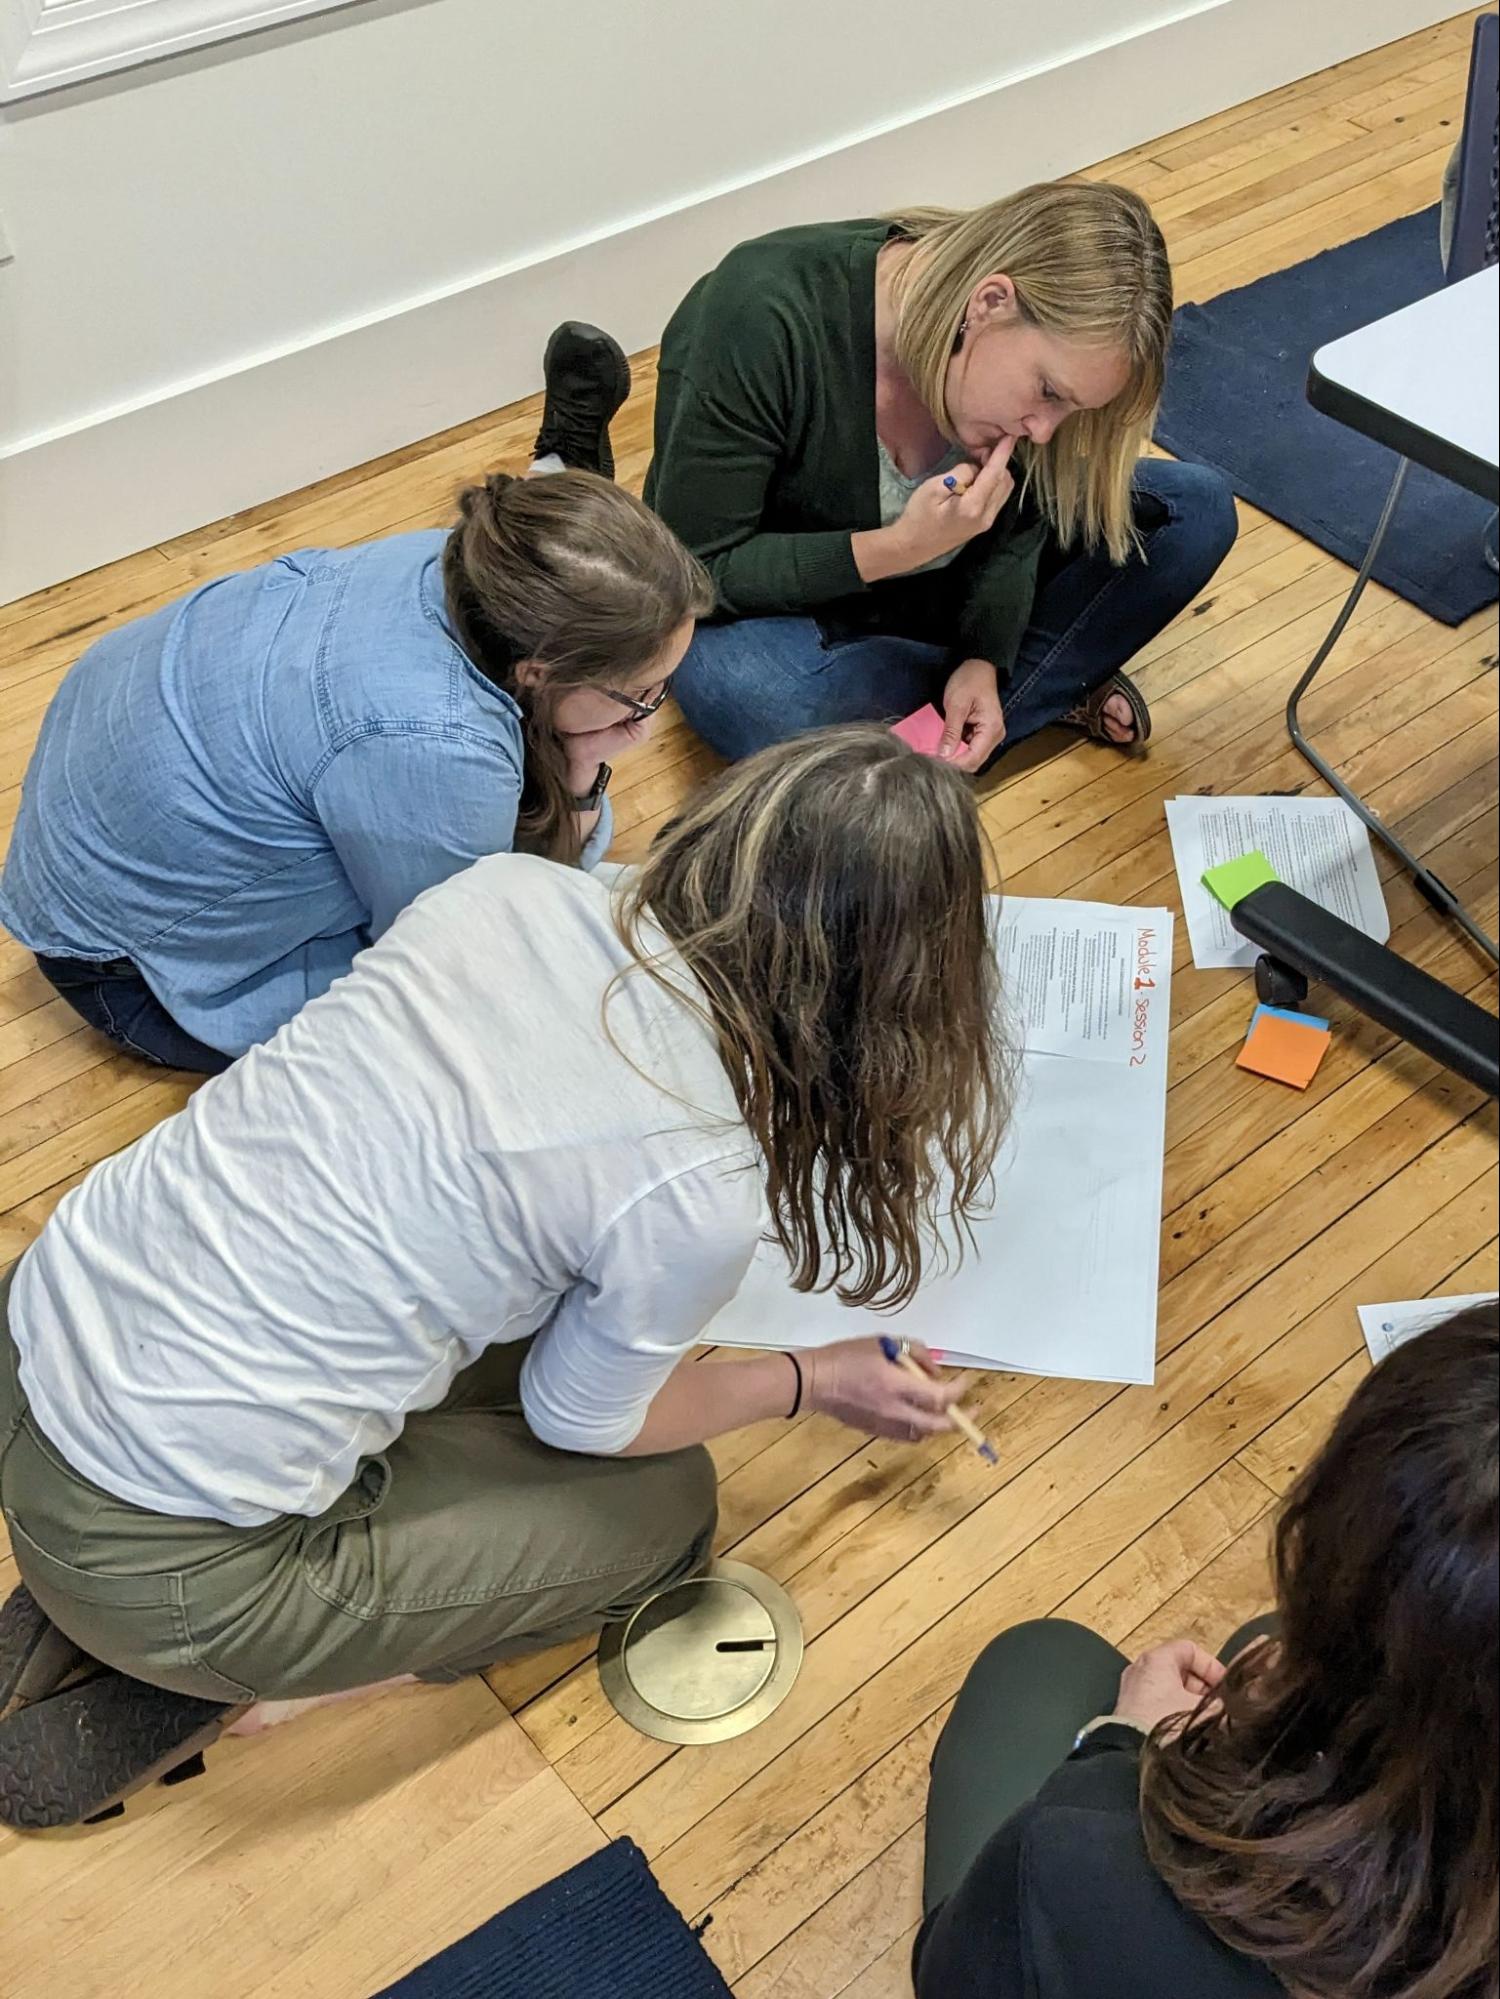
(239, 269)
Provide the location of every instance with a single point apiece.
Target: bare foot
(1119, 719)
(271, 1714)
(1108, 717)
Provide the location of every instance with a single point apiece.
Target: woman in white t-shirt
(375, 1361)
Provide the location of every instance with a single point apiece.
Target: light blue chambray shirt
(241, 791)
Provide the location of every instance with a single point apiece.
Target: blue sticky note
(1286, 1013)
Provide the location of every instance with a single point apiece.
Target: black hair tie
(796, 1408)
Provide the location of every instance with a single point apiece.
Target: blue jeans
(760, 680)
(114, 999)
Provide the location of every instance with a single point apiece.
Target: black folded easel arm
(1379, 981)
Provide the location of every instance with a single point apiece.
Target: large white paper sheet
(1062, 1278)
(1387, 1327)
(1316, 846)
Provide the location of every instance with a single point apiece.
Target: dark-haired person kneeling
(1316, 1816)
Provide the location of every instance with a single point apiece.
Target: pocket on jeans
(136, 1623)
(835, 640)
(132, 1622)
(336, 1547)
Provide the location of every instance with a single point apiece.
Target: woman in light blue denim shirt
(232, 797)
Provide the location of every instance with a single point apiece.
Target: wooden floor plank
(1219, 1599)
(1202, 231)
(327, 1859)
(875, 1914)
(777, 1896)
(1282, 1453)
(1340, 218)
(59, 1062)
(1313, 96)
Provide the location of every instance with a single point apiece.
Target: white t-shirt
(444, 1151)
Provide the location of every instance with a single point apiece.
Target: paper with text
(1387, 1327)
(1068, 970)
(1062, 1276)
(1316, 846)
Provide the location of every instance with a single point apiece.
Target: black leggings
(1017, 1716)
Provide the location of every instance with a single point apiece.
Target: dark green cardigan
(766, 452)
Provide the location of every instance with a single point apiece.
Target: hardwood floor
(324, 1860)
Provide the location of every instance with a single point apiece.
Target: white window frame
(45, 44)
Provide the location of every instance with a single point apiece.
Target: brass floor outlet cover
(705, 1660)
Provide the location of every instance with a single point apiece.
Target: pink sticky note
(923, 731)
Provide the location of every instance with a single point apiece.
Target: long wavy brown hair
(1333, 1812)
(579, 576)
(828, 896)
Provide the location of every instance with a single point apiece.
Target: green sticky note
(1231, 881)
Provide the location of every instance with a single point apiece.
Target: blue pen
(965, 1425)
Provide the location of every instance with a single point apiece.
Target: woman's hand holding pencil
(904, 1354)
(854, 1382)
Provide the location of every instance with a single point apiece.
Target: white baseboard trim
(276, 422)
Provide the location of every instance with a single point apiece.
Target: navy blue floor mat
(604, 1930)
(1236, 398)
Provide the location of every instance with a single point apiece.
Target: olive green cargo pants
(465, 1542)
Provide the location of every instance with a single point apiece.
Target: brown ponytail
(575, 574)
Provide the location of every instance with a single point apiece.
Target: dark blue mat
(1236, 398)
(604, 1930)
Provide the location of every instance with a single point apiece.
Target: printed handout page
(1387, 1327)
(1061, 1277)
(1068, 970)
(1315, 845)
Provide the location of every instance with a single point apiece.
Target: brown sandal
(1089, 715)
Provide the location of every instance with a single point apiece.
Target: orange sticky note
(1285, 1050)
(922, 731)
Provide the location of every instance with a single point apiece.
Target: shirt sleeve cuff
(596, 846)
(1111, 1736)
(827, 567)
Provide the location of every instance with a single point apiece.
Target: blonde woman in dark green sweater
(909, 452)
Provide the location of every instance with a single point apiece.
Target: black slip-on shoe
(35, 1658)
(77, 1756)
(587, 377)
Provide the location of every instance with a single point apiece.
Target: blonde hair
(1088, 264)
(578, 575)
(828, 897)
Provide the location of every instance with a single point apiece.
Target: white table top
(1432, 370)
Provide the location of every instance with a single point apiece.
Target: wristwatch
(592, 800)
(1103, 1721)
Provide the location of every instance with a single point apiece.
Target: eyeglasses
(641, 711)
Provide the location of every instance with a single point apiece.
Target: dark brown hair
(1334, 1813)
(828, 895)
(576, 574)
